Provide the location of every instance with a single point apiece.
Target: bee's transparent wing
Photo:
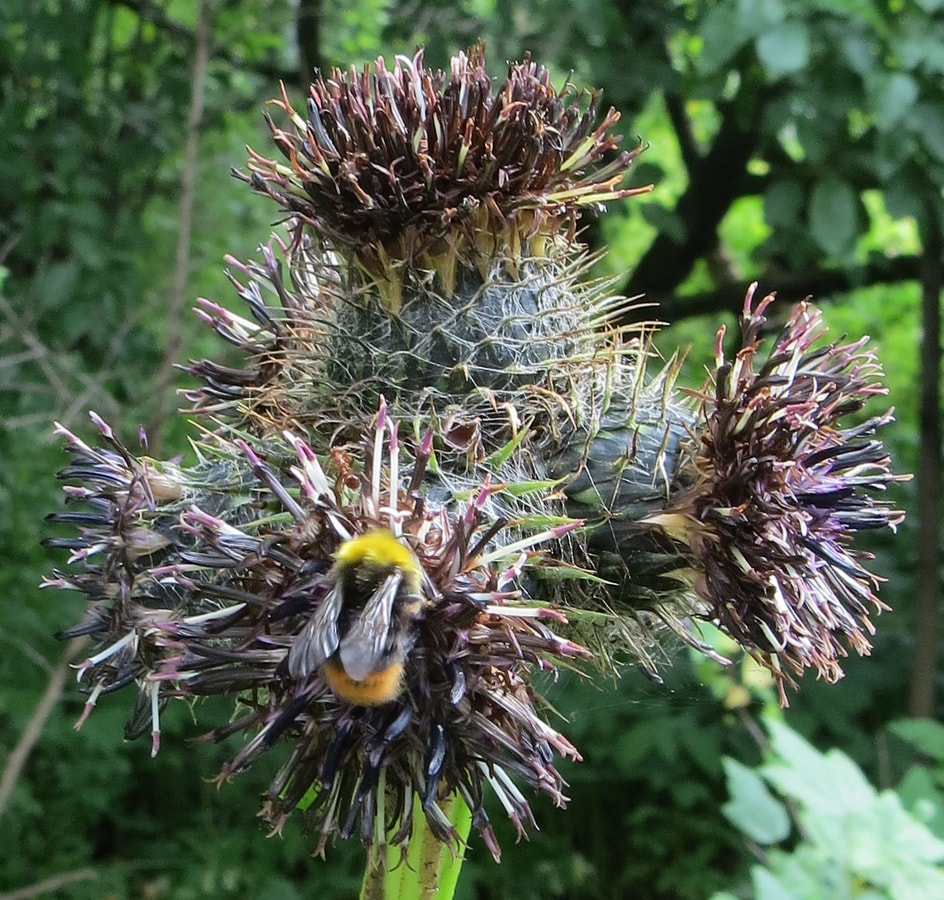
(365, 645)
(319, 638)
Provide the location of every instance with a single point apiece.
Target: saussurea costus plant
(443, 466)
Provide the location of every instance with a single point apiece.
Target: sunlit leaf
(784, 50)
(833, 215)
(927, 735)
(893, 97)
(752, 808)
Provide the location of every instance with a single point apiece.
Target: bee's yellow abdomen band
(376, 689)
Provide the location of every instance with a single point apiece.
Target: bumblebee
(364, 628)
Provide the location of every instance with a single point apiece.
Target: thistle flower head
(414, 168)
(261, 594)
(778, 490)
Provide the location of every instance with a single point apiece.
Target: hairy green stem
(430, 870)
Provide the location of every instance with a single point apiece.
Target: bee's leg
(364, 805)
(435, 758)
(393, 726)
(338, 749)
(276, 728)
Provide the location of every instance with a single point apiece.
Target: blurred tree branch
(155, 14)
(308, 38)
(188, 180)
(715, 182)
(19, 755)
(789, 286)
(51, 884)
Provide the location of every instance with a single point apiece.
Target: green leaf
(815, 140)
(703, 749)
(811, 874)
(921, 796)
(916, 43)
(784, 50)
(892, 97)
(825, 831)
(563, 572)
(757, 16)
(277, 889)
(822, 782)
(728, 27)
(852, 834)
(902, 837)
(58, 282)
(752, 808)
(888, 848)
(723, 33)
(768, 887)
(520, 488)
(833, 216)
(783, 203)
(893, 149)
(495, 460)
(633, 746)
(927, 123)
(858, 51)
(920, 883)
(927, 735)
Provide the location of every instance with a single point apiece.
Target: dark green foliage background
(839, 112)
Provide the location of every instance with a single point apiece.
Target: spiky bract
(569, 419)
(497, 339)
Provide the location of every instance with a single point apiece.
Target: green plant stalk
(430, 870)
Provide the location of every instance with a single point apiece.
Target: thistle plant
(444, 466)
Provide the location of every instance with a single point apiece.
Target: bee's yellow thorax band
(376, 689)
(377, 548)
